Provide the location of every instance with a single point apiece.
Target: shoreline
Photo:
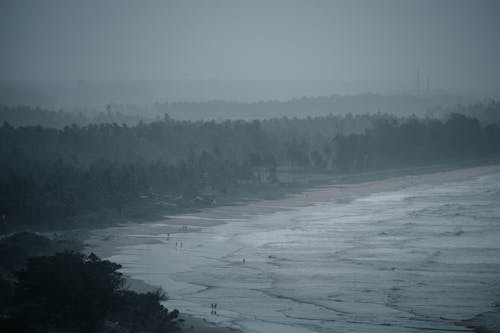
(108, 241)
(104, 242)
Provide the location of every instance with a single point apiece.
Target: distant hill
(131, 114)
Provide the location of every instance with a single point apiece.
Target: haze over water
(422, 258)
(118, 117)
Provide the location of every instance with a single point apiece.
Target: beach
(379, 251)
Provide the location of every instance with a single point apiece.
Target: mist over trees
(124, 122)
(421, 105)
(81, 174)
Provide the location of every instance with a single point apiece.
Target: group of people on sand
(177, 244)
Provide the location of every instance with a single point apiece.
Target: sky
(365, 43)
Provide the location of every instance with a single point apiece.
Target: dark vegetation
(87, 175)
(36, 116)
(320, 106)
(486, 113)
(45, 290)
(131, 114)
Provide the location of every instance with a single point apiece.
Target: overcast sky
(456, 43)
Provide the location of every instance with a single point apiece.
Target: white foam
(410, 260)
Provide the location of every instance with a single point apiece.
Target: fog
(254, 50)
(249, 166)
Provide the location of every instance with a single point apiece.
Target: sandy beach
(109, 242)
(104, 242)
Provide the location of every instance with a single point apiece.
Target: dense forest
(423, 105)
(80, 175)
(38, 293)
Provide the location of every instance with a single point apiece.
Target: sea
(422, 258)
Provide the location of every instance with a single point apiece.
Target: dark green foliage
(33, 116)
(72, 292)
(130, 114)
(393, 143)
(67, 289)
(6, 295)
(143, 311)
(89, 175)
(486, 113)
(16, 248)
(59, 177)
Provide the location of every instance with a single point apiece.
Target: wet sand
(109, 241)
(105, 242)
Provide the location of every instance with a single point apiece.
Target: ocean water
(422, 258)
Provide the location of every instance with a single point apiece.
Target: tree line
(48, 286)
(83, 174)
(421, 105)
